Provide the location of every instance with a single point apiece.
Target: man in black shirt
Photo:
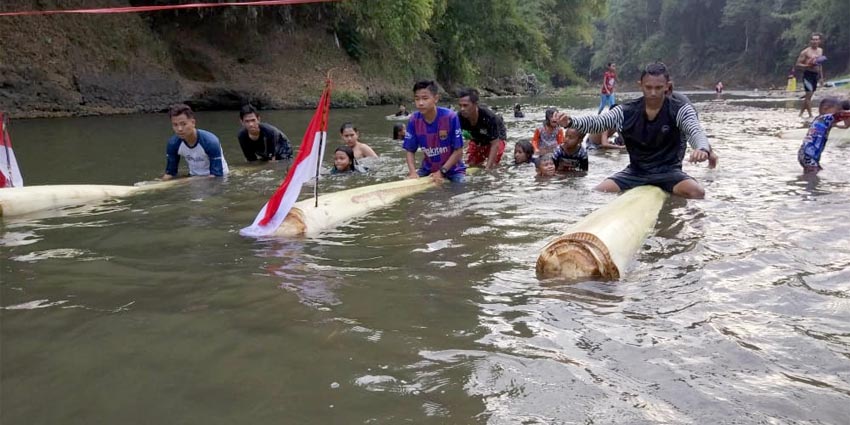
(486, 129)
(260, 141)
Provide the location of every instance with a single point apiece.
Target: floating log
(603, 243)
(305, 219)
(19, 201)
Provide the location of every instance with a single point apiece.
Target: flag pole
(3, 134)
(325, 117)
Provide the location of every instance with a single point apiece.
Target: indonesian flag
(304, 168)
(10, 174)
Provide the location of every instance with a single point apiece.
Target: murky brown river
(152, 309)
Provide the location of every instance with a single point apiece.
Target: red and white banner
(10, 174)
(304, 168)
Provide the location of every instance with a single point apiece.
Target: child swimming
(831, 113)
(545, 166)
(523, 151)
(571, 154)
(344, 161)
(351, 137)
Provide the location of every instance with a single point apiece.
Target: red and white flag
(10, 174)
(304, 168)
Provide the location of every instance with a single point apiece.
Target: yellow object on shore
(792, 85)
(18, 201)
(603, 243)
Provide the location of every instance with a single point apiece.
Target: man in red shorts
(486, 129)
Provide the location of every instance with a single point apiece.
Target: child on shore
(831, 113)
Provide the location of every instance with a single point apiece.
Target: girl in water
(398, 131)
(344, 161)
(548, 136)
(351, 138)
(523, 151)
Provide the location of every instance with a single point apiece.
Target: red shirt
(608, 81)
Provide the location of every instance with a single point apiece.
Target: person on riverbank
(435, 130)
(571, 155)
(812, 70)
(261, 141)
(344, 161)
(486, 129)
(523, 153)
(609, 81)
(831, 113)
(655, 128)
(548, 136)
(351, 138)
(201, 148)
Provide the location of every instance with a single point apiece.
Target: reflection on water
(152, 309)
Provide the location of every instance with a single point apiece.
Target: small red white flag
(10, 174)
(304, 168)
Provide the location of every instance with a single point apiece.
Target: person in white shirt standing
(201, 148)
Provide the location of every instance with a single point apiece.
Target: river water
(152, 309)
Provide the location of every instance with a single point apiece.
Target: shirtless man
(812, 70)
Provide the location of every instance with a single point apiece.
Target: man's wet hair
(181, 109)
(817, 34)
(431, 85)
(471, 93)
(248, 110)
(655, 69)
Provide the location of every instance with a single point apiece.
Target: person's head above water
(349, 134)
(655, 83)
(523, 151)
(250, 119)
(182, 120)
(344, 159)
(550, 112)
(545, 165)
(398, 131)
(467, 101)
(425, 96)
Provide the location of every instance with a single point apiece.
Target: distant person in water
(808, 61)
(201, 148)
(548, 136)
(602, 141)
(486, 129)
(436, 131)
(398, 131)
(523, 153)
(261, 141)
(831, 113)
(655, 128)
(344, 161)
(518, 111)
(718, 88)
(402, 111)
(571, 155)
(609, 81)
(351, 138)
